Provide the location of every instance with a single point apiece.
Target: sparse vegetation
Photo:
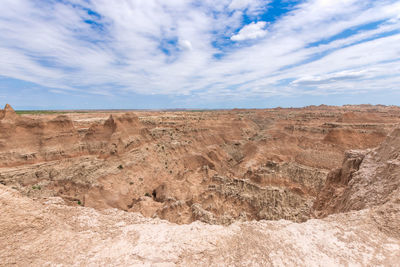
(120, 167)
(36, 187)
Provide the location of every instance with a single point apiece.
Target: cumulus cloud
(251, 31)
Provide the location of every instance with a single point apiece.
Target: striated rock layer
(214, 166)
(363, 198)
(367, 179)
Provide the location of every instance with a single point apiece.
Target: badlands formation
(310, 186)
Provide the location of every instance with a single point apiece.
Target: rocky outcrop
(367, 179)
(213, 166)
(26, 140)
(293, 175)
(238, 195)
(337, 181)
(235, 199)
(8, 114)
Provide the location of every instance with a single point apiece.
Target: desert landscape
(317, 185)
(199, 133)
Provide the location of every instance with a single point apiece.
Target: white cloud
(251, 31)
(250, 6)
(329, 78)
(55, 91)
(169, 47)
(185, 44)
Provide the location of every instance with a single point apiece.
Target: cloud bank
(207, 50)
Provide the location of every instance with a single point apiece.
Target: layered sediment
(217, 167)
(356, 217)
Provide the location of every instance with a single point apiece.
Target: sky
(165, 54)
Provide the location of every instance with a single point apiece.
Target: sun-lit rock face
(362, 196)
(217, 167)
(367, 179)
(8, 114)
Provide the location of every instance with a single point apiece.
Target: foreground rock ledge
(49, 234)
(35, 235)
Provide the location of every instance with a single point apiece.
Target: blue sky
(144, 54)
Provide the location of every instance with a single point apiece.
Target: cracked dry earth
(310, 186)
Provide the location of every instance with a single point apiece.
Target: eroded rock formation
(363, 228)
(214, 166)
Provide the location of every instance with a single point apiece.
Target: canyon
(241, 187)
